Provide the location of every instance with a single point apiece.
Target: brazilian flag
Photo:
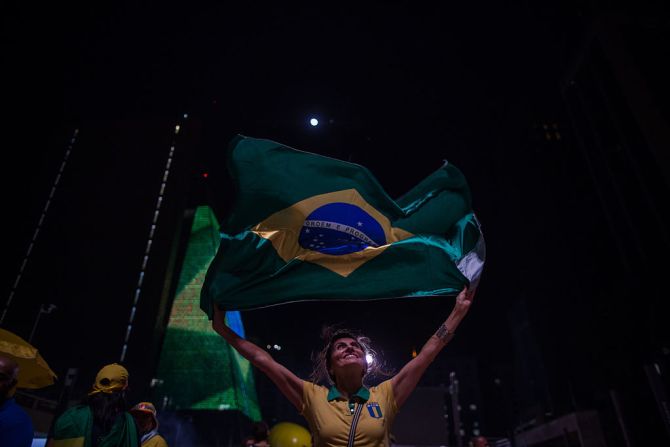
(308, 227)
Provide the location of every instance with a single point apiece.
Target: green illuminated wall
(198, 369)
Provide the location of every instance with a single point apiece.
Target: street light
(44, 309)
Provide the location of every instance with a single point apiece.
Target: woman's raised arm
(406, 380)
(288, 383)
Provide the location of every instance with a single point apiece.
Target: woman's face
(145, 422)
(346, 353)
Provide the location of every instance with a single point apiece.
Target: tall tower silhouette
(197, 369)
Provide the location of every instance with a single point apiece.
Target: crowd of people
(344, 412)
(103, 419)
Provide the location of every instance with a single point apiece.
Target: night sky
(398, 88)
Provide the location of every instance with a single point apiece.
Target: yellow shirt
(330, 421)
(155, 441)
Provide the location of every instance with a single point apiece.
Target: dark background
(557, 113)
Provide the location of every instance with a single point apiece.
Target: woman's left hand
(408, 377)
(461, 308)
(463, 301)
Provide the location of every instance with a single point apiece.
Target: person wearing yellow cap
(102, 420)
(147, 422)
(346, 412)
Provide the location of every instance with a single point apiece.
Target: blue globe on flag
(340, 229)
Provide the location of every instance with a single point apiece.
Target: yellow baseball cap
(110, 379)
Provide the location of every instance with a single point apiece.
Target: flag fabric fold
(308, 227)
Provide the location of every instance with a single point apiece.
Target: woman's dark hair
(106, 407)
(321, 360)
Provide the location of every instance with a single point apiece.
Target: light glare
(314, 122)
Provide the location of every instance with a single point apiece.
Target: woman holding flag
(347, 412)
(306, 227)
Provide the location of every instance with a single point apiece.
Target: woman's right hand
(289, 384)
(219, 320)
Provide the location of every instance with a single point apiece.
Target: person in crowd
(259, 435)
(147, 422)
(345, 411)
(101, 420)
(16, 427)
(479, 441)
